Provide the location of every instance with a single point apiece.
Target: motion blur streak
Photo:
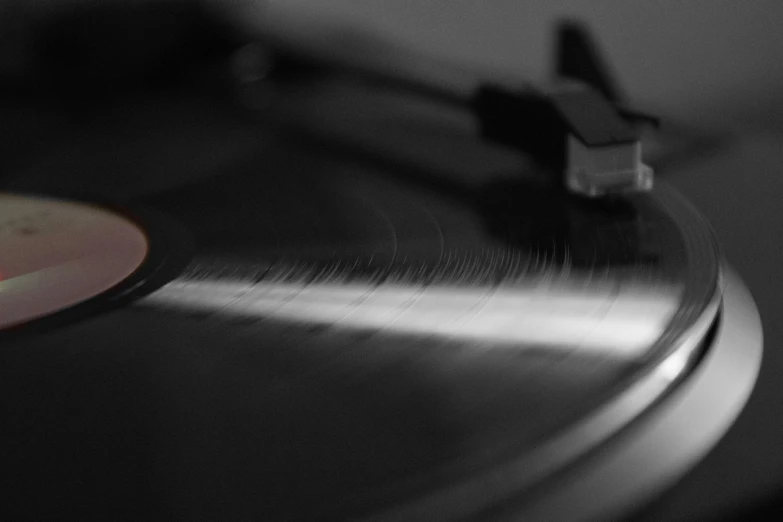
(613, 319)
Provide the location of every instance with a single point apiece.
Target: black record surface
(351, 331)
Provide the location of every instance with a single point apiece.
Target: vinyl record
(308, 333)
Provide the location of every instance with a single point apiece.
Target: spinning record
(306, 332)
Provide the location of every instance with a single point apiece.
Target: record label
(55, 254)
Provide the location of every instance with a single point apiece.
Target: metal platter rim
(612, 485)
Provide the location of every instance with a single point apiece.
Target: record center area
(55, 254)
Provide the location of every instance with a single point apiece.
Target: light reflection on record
(609, 318)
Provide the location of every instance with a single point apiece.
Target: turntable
(321, 299)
